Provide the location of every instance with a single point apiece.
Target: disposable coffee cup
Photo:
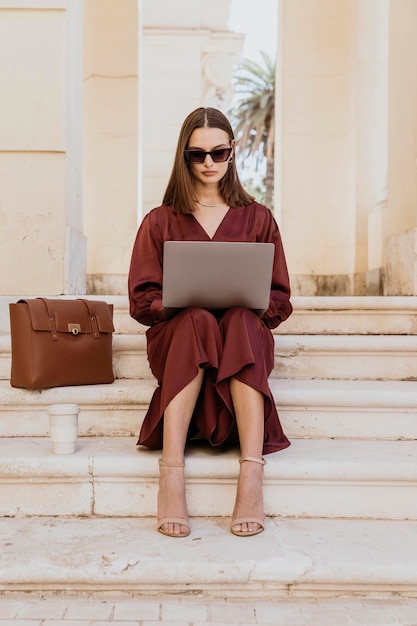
(63, 427)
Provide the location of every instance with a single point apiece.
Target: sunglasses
(199, 156)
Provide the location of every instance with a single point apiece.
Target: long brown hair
(179, 193)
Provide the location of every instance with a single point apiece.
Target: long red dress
(234, 343)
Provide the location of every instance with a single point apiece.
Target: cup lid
(63, 409)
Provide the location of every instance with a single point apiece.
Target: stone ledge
(111, 477)
(346, 357)
(307, 408)
(312, 315)
(291, 558)
(368, 357)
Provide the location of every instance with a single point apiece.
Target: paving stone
(331, 616)
(23, 622)
(182, 611)
(9, 609)
(42, 610)
(90, 610)
(64, 622)
(406, 615)
(138, 611)
(288, 613)
(382, 616)
(232, 614)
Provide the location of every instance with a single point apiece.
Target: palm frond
(254, 109)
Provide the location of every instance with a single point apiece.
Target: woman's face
(208, 139)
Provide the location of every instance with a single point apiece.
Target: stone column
(400, 214)
(371, 112)
(316, 142)
(42, 248)
(110, 150)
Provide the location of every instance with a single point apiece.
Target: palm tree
(254, 115)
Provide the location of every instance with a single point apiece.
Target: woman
(212, 366)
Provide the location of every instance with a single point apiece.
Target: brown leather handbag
(61, 342)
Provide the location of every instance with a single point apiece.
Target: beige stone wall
(86, 140)
(42, 249)
(92, 99)
(110, 140)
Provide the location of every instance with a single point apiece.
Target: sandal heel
(249, 520)
(172, 520)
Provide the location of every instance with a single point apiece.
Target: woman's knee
(239, 323)
(198, 315)
(240, 314)
(196, 321)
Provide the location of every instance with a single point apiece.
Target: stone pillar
(371, 112)
(400, 218)
(42, 248)
(110, 140)
(316, 140)
(346, 167)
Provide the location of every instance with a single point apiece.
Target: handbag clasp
(74, 328)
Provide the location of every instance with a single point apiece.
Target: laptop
(217, 274)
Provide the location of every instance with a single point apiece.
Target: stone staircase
(341, 501)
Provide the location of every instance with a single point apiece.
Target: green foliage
(253, 116)
(255, 188)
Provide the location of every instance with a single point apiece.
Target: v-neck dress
(232, 343)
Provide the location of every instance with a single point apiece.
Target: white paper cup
(63, 427)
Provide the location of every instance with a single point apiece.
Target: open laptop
(217, 274)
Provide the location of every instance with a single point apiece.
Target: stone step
(335, 338)
(356, 315)
(307, 408)
(352, 316)
(367, 357)
(111, 477)
(319, 316)
(386, 357)
(292, 558)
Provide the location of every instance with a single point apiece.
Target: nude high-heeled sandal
(249, 520)
(172, 520)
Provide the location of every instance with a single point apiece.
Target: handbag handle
(93, 317)
(51, 316)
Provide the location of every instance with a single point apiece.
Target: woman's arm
(145, 274)
(279, 304)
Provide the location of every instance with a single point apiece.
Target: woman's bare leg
(249, 409)
(177, 417)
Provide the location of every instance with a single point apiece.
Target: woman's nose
(210, 162)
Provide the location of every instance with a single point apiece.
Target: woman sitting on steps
(212, 367)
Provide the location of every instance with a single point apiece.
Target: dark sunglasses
(199, 156)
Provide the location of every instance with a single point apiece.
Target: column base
(400, 264)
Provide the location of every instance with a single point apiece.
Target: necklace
(210, 205)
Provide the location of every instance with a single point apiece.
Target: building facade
(93, 94)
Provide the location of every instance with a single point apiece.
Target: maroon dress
(234, 343)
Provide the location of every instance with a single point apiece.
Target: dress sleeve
(279, 303)
(145, 274)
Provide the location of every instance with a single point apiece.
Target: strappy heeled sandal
(172, 520)
(249, 520)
